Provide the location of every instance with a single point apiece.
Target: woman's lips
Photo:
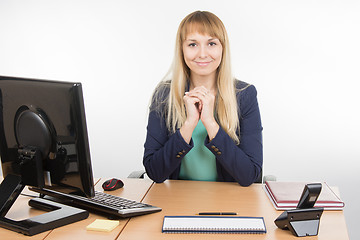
(203, 64)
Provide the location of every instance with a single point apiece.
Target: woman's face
(202, 54)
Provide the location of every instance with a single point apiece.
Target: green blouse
(199, 163)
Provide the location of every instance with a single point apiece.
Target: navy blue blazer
(241, 163)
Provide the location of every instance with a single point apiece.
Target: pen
(217, 213)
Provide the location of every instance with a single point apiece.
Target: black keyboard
(103, 203)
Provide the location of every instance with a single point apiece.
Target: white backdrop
(302, 56)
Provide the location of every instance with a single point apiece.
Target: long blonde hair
(226, 108)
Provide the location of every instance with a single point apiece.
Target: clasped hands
(199, 104)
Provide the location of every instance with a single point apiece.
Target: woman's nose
(203, 52)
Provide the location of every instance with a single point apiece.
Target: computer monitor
(43, 143)
(48, 116)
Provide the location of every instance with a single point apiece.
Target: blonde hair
(226, 108)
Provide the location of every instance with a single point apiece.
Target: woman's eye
(192, 44)
(212, 44)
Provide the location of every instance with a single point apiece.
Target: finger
(200, 95)
(189, 95)
(199, 89)
(202, 90)
(193, 101)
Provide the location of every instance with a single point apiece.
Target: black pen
(217, 213)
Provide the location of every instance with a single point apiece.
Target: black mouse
(112, 184)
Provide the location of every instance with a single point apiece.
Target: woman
(203, 123)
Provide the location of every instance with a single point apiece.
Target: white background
(302, 56)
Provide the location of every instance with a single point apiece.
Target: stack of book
(286, 195)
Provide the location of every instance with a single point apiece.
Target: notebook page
(208, 223)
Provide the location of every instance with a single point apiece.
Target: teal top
(199, 163)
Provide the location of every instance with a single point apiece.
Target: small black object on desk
(305, 219)
(217, 213)
(112, 184)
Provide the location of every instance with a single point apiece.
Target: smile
(203, 64)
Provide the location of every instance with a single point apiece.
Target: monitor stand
(58, 214)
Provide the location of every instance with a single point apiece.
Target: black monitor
(48, 116)
(43, 135)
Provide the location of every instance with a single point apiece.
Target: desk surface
(191, 197)
(134, 189)
(181, 198)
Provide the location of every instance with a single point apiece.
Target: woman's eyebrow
(194, 40)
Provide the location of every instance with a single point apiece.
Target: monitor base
(58, 214)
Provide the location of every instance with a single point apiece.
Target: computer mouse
(112, 184)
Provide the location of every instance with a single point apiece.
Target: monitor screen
(45, 120)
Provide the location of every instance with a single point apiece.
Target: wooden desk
(134, 189)
(191, 197)
(181, 198)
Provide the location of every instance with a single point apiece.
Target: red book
(286, 195)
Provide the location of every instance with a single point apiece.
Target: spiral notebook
(213, 224)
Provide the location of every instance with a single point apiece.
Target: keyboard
(102, 203)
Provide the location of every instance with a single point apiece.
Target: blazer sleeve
(163, 151)
(244, 161)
